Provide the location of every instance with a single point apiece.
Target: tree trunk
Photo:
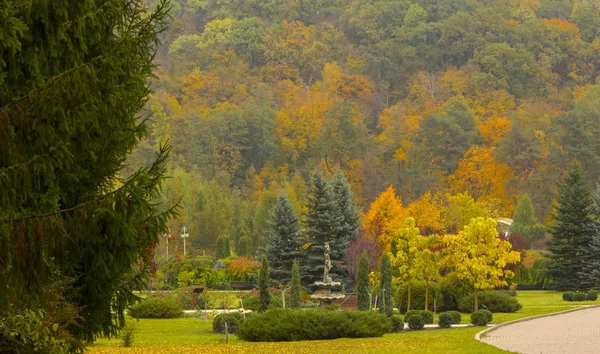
(408, 302)
(475, 298)
(426, 293)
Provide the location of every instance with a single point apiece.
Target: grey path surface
(574, 332)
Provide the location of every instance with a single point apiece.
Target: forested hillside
(490, 98)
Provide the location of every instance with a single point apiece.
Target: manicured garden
(194, 335)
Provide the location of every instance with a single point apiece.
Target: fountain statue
(323, 293)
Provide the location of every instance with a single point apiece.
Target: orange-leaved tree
(385, 218)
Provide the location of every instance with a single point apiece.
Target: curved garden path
(573, 332)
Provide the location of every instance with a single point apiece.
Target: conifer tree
(350, 218)
(243, 246)
(73, 78)
(323, 222)
(220, 248)
(295, 285)
(572, 233)
(362, 283)
(591, 268)
(226, 247)
(283, 241)
(386, 306)
(524, 221)
(263, 285)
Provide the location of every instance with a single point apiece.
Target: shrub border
(480, 335)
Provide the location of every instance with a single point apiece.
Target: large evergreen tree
(362, 283)
(323, 222)
(591, 268)
(572, 232)
(283, 241)
(348, 210)
(73, 77)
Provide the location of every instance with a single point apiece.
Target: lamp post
(184, 236)
(167, 236)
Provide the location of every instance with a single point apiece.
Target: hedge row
(156, 308)
(577, 296)
(278, 325)
(495, 302)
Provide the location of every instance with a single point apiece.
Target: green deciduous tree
(408, 244)
(525, 223)
(572, 232)
(73, 77)
(362, 283)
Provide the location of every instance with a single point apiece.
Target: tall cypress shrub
(362, 283)
(263, 285)
(386, 306)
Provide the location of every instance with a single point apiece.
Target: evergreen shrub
(417, 296)
(592, 295)
(456, 316)
(489, 315)
(277, 325)
(445, 320)
(479, 318)
(580, 296)
(156, 308)
(233, 320)
(568, 296)
(415, 322)
(410, 313)
(452, 291)
(397, 323)
(427, 316)
(494, 302)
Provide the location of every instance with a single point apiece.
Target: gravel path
(574, 332)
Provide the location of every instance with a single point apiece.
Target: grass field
(193, 335)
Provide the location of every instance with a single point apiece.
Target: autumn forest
(425, 106)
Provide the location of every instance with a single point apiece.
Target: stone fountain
(324, 288)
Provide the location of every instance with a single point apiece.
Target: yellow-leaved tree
(385, 218)
(405, 254)
(428, 262)
(479, 256)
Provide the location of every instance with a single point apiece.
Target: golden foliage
(385, 218)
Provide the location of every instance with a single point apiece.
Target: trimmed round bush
(489, 315)
(427, 316)
(592, 295)
(415, 322)
(568, 296)
(479, 318)
(410, 313)
(456, 316)
(445, 320)
(156, 308)
(232, 319)
(580, 297)
(397, 323)
(276, 325)
(495, 302)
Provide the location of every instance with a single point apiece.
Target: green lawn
(193, 335)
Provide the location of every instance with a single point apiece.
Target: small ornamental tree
(407, 245)
(362, 283)
(263, 285)
(295, 285)
(386, 305)
(479, 256)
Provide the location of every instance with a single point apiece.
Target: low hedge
(494, 302)
(592, 295)
(156, 308)
(568, 296)
(277, 325)
(580, 297)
